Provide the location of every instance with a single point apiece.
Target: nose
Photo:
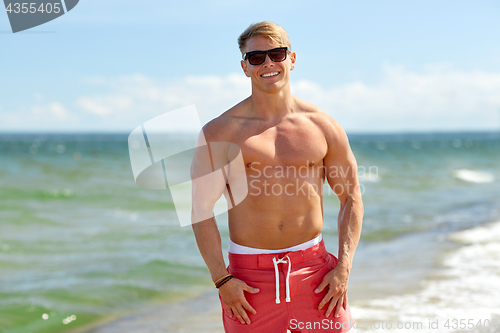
(268, 61)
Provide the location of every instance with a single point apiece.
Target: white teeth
(270, 74)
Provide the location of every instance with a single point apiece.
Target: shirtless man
(279, 275)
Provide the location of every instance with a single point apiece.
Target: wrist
(219, 274)
(223, 280)
(344, 264)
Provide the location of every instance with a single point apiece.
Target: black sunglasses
(258, 57)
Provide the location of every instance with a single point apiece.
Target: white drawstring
(282, 261)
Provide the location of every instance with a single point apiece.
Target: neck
(272, 105)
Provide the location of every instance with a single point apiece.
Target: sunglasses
(258, 57)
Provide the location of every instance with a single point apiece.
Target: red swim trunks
(297, 309)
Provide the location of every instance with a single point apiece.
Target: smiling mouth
(270, 74)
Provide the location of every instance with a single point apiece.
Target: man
(279, 275)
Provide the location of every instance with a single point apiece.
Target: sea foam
(472, 176)
(467, 287)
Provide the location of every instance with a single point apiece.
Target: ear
(293, 58)
(244, 66)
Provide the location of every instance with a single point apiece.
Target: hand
(336, 280)
(233, 296)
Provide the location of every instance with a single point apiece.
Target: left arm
(341, 173)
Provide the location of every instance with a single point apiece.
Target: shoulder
(332, 130)
(213, 129)
(223, 127)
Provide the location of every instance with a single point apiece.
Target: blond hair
(267, 29)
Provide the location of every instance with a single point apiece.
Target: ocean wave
(485, 234)
(466, 288)
(472, 176)
(369, 178)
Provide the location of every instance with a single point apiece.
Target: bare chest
(284, 145)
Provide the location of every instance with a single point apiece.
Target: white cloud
(138, 98)
(440, 98)
(105, 105)
(39, 116)
(55, 110)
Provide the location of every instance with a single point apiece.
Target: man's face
(260, 74)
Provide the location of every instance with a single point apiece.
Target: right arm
(209, 243)
(208, 184)
(232, 292)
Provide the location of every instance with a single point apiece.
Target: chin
(275, 87)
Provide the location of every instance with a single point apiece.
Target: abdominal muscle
(277, 213)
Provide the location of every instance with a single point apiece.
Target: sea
(84, 249)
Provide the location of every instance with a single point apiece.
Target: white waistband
(240, 249)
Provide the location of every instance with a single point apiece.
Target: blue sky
(375, 66)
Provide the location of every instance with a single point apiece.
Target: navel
(311, 163)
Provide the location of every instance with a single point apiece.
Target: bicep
(340, 165)
(207, 179)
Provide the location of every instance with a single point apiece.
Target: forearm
(349, 228)
(209, 243)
